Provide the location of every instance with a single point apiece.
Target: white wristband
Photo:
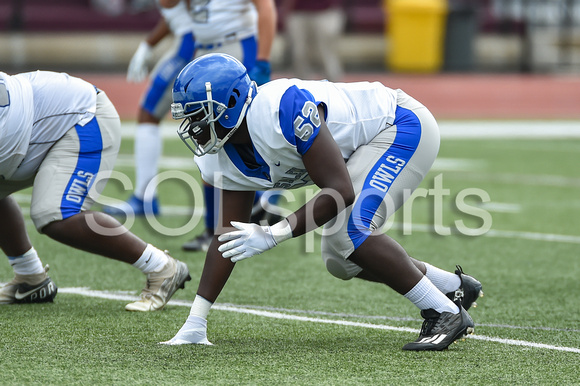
(281, 231)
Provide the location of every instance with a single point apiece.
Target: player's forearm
(168, 3)
(327, 169)
(157, 34)
(267, 18)
(323, 207)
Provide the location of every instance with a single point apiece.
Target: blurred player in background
(154, 103)
(242, 28)
(60, 135)
(366, 146)
(313, 29)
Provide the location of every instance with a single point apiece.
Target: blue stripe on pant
(383, 174)
(250, 52)
(88, 164)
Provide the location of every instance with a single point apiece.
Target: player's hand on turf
(138, 71)
(247, 241)
(260, 73)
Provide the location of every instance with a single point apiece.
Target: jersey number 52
(303, 124)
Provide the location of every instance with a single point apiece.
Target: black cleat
(265, 214)
(200, 243)
(439, 330)
(469, 290)
(40, 293)
(38, 288)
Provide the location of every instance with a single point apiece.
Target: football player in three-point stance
(366, 147)
(242, 28)
(60, 135)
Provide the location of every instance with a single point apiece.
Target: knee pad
(341, 268)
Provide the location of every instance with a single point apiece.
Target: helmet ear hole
(232, 102)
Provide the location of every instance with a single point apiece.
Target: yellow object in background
(415, 31)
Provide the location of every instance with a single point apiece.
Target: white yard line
(516, 178)
(536, 236)
(394, 318)
(165, 162)
(187, 163)
(536, 129)
(279, 315)
(501, 207)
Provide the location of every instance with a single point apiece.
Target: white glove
(252, 239)
(138, 71)
(194, 331)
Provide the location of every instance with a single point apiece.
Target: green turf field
(282, 319)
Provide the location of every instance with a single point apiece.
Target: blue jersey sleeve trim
(262, 171)
(299, 118)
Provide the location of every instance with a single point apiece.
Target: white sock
(443, 280)
(152, 260)
(200, 307)
(148, 148)
(425, 295)
(26, 264)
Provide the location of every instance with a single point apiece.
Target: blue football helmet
(212, 88)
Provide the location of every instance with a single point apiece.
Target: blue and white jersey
(220, 21)
(177, 18)
(283, 121)
(213, 22)
(33, 112)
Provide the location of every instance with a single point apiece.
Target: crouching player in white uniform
(60, 135)
(365, 145)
